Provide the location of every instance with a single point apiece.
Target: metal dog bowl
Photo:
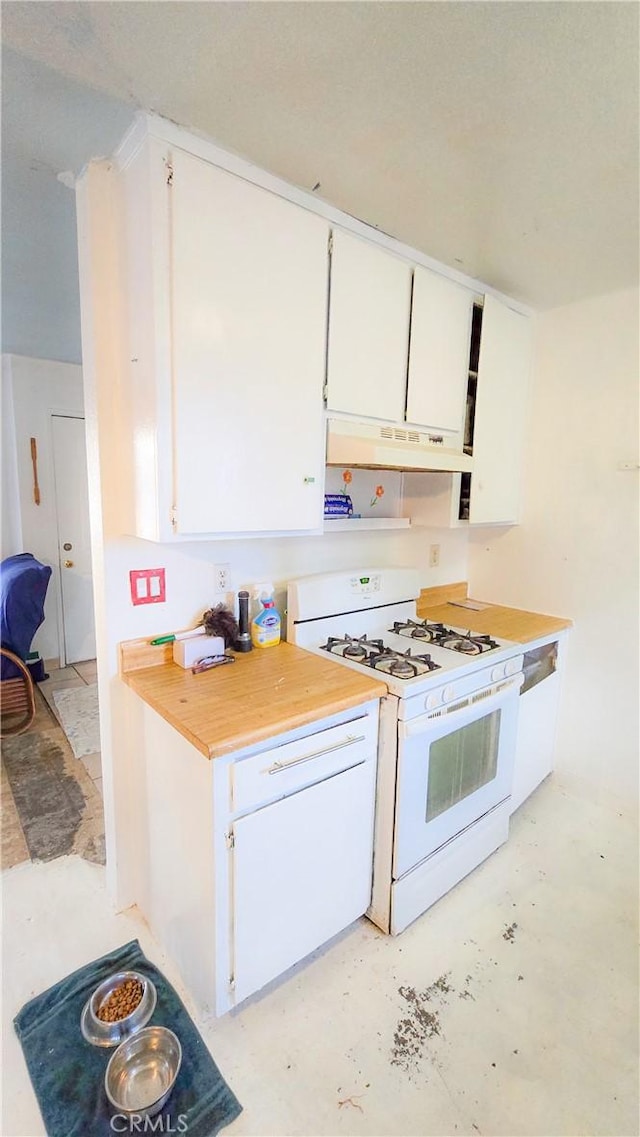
(142, 1072)
(100, 1033)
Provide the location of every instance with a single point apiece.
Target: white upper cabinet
(239, 314)
(439, 352)
(500, 414)
(249, 275)
(227, 320)
(370, 298)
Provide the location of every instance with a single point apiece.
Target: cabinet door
(501, 403)
(439, 352)
(369, 308)
(249, 307)
(302, 871)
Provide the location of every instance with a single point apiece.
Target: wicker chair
(23, 587)
(17, 698)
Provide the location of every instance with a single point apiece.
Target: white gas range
(447, 729)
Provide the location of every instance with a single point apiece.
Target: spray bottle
(265, 627)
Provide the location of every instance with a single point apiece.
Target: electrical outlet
(434, 556)
(221, 577)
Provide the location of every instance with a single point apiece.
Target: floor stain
(510, 932)
(466, 993)
(55, 804)
(422, 1023)
(352, 1102)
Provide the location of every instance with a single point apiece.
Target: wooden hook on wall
(34, 463)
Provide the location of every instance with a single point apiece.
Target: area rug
(80, 718)
(67, 1073)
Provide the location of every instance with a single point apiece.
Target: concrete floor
(510, 1008)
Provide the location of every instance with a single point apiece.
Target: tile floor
(510, 1008)
(60, 679)
(51, 801)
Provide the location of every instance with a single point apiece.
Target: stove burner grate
(418, 630)
(355, 648)
(402, 665)
(467, 643)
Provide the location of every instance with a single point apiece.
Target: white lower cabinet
(299, 846)
(301, 872)
(248, 862)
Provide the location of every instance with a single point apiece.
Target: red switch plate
(147, 586)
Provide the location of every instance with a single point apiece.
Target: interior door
(74, 543)
(302, 871)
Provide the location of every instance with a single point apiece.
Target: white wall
(33, 390)
(11, 519)
(190, 576)
(576, 552)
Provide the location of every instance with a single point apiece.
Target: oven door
(454, 765)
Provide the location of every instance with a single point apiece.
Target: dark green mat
(67, 1073)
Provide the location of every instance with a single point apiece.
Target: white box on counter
(187, 652)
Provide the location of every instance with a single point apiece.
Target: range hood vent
(374, 447)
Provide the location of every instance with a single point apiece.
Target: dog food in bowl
(119, 1006)
(121, 1002)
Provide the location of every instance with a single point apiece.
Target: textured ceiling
(501, 138)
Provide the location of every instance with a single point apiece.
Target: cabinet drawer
(282, 770)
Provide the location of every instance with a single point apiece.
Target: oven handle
(485, 704)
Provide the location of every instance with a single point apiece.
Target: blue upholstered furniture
(23, 588)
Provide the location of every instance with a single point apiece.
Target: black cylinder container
(244, 637)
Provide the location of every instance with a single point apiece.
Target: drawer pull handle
(348, 741)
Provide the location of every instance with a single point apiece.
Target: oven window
(462, 762)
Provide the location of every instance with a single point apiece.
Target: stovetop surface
(410, 648)
(344, 608)
(408, 662)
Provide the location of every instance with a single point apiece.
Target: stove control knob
(448, 694)
(432, 701)
(512, 666)
(498, 672)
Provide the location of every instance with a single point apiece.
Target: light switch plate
(147, 586)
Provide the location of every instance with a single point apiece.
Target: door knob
(68, 564)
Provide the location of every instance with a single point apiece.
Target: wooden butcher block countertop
(264, 693)
(493, 619)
